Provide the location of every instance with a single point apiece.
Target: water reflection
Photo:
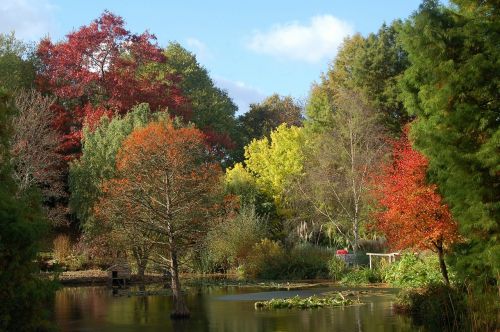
(219, 309)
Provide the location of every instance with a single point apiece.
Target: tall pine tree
(452, 86)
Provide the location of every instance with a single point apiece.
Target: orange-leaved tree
(413, 214)
(163, 192)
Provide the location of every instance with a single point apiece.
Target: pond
(218, 308)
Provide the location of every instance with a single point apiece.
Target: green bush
(336, 268)
(307, 262)
(412, 271)
(268, 260)
(361, 276)
(437, 307)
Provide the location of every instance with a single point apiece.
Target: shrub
(336, 268)
(308, 262)
(266, 260)
(76, 262)
(412, 271)
(62, 248)
(437, 306)
(229, 242)
(361, 276)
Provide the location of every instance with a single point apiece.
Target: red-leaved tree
(412, 213)
(102, 66)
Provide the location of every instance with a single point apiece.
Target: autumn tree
(116, 228)
(166, 179)
(275, 160)
(34, 143)
(97, 164)
(413, 213)
(104, 66)
(333, 189)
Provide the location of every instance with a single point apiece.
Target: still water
(216, 308)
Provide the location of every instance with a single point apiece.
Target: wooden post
(370, 261)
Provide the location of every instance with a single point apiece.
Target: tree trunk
(442, 264)
(180, 308)
(141, 262)
(141, 268)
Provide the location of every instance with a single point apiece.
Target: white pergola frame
(391, 256)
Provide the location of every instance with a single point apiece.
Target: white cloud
(29, 19)
(241, 93)
(311, 43)
(199, 48)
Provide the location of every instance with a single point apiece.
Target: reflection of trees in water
(376, 316)
(95, 308)
(141, 309)
(80, 303)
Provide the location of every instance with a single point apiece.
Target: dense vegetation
(124, 149)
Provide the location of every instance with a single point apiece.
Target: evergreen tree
(452, 86)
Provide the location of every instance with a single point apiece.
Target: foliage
(25, 298)
(17, 64)
(62, 247)
(265, 117)
(275, 160)
(269, 260)
(361, 276)
(101, 143)
(336, 268)
(437, 307)
(456, 104)
(371, 66)
(413, 214)
(36, 161)
(306, 262)
(412, 271)
(212, 109)
(230, 242)
(333, 190)
(265, 261)
(306, 303)
(103, 67)
(240, 182)
(482, 309)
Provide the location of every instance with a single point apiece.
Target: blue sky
(251, 48)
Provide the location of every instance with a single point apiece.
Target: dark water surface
(216, 308)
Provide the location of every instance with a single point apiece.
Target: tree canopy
(102, 66)
(452, 87)
(98, 160)
(371, 66)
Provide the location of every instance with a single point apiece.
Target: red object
(342, 252)
(103, 68)
(413, 214)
